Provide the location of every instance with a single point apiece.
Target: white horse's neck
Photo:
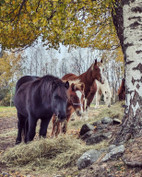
(103, 89)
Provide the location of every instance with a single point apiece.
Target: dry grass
(56, 156)
(46, 155)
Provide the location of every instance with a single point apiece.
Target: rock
(96, 138)
(88, 158)
(87, 135)
(97, 123)
(112, 146)
(116, 121)
(114, 153)
(85, 128)
(107, 120)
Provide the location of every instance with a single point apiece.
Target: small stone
(107, 120)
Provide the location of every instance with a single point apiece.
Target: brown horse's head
(77, 97)
(96, 72)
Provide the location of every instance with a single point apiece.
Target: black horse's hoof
(17, 142)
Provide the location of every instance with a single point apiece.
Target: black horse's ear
(67, 84)
(101, 61)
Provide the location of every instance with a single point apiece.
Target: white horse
(103, 89)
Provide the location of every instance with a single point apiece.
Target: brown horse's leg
(91, 94)
(64, 128)
(53, 125)
(58, 128)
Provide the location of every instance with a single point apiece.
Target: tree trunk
(117, 16)
(132, 21)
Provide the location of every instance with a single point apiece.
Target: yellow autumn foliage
(9, 68)
(83, 23)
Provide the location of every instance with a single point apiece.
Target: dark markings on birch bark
(137, 9)
(128, 45)
(136, 80)
(139, 51)
(126, 2)
(133, 81)
(139, 67)
(129, 62)
(135, 25)
(136, 18)
(138, 86)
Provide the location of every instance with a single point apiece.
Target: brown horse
(121, 91)
(87, 78)
(75, 104)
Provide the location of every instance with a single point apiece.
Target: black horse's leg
(26, 130)
(44, 126)
(31, 128)
(21, 124)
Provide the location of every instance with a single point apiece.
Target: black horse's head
(60, 99)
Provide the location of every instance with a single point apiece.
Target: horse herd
(49, 97)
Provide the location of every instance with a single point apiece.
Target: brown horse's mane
(87, 73)
(83, 78)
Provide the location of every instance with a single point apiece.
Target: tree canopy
(9, 69)
(70, 22)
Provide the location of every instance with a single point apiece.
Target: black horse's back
(39, 97)
(25, 79)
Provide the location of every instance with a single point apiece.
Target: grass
(115, 111)
(54, 156)
(7, 112)
(11, 133)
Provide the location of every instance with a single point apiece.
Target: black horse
(39, 98)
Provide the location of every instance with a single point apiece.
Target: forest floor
(56, 157)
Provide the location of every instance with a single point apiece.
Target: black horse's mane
(46, 86)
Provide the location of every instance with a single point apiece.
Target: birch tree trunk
(132, 22)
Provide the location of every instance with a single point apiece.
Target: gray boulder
(114, 153)
(107, 120)
(88, 158)
(98, 137)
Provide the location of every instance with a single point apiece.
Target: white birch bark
(132, 18)
(133, 39)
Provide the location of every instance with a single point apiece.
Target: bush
(5, 97)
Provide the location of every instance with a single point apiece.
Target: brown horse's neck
(87, 79)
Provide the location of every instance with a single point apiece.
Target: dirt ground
(116, 168)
